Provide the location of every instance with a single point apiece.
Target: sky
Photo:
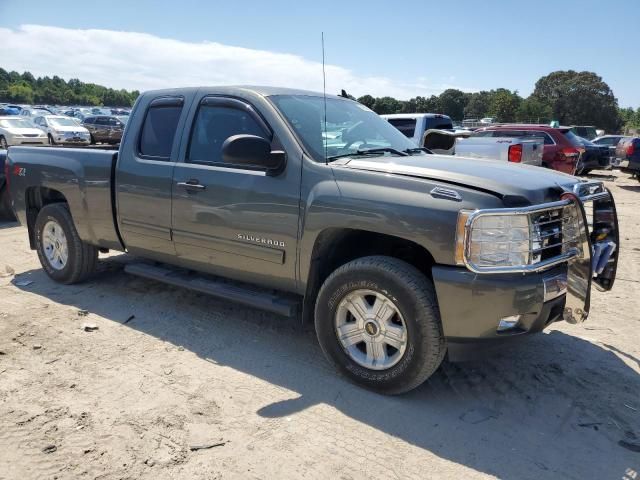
(402, 48)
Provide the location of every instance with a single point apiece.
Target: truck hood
(515, 184)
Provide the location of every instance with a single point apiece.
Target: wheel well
(35, 199)
(335, 247)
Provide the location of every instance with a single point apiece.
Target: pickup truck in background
(527, 151)
(399, 256)
(562, 149)
(413, 125)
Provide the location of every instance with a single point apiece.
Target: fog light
(507, 323)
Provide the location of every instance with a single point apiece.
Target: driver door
(228, 219)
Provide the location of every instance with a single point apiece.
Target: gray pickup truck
(287, 201)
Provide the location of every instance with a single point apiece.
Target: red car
(562, 148)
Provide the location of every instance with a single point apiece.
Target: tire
(3, 143)
(92, 140)
(6, 213)
(82, 258)
(413, 297)
(51, 140)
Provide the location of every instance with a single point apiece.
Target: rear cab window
(159, 128)
(406, 125)
(438, 123)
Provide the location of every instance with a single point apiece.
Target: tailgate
(532, 152)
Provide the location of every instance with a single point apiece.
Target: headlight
(494, 240)
(519, 239)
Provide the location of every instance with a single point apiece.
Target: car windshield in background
(123, 118)
(575, 140)
(63, 122)
(16, 123)
(350, 126)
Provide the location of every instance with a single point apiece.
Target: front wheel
(63, 255)
(51, 140)
(377, 321)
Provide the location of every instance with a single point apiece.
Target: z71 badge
(19, 171)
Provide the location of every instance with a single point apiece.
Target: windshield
(16, 123)
(63, 122)
(575, 140)
(123, 118)
(350, 126)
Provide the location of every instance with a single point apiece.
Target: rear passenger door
(229, 219)
(144, 176)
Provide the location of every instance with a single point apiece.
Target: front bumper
(472, 305)
(73, 139)
(17, 141)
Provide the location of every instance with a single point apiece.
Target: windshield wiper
(370, 151)
(411, 151)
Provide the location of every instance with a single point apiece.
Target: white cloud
(142, 61)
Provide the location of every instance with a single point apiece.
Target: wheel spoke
(376, 353)
(358, 307)
(350, 334)
(394, 335)
(383, 310)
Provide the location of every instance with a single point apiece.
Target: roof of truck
(264, 91)
(414, 115)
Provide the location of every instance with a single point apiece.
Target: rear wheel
(377, 321)
(63, 255)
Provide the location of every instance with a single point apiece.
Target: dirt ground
(174, 384)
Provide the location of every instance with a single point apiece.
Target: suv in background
(104, 128)
(413, 125)
(588, 132)
(610, 141)
(62, 130)
(562, 149)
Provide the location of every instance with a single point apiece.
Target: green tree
(20, 92)
(428, 105)
(367, 100)
(478, 105)
(533, 110)
(581, 98)
(504, 105)
(386, 105)
(452, 103)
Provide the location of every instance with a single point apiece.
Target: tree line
(572, 98)
(25, 88)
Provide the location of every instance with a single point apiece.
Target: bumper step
(281, 304)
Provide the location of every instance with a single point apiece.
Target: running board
(217, 287)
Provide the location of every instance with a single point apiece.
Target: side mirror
(252, 151)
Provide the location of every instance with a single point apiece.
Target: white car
(19, 131)
(63, 130)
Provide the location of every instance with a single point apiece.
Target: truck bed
(84, 177)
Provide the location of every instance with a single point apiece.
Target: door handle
(192, 185)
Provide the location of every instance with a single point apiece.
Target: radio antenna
(324, 93)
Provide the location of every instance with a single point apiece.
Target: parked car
(593, 157)
(63, 130)
(31, 113)
(610, 141)
(104, 128)
(588, 132)
(488, 120)
(628, 151)
(397, 255)
(15, 130)
(527, 151)
(413, 125)
(561, 148)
